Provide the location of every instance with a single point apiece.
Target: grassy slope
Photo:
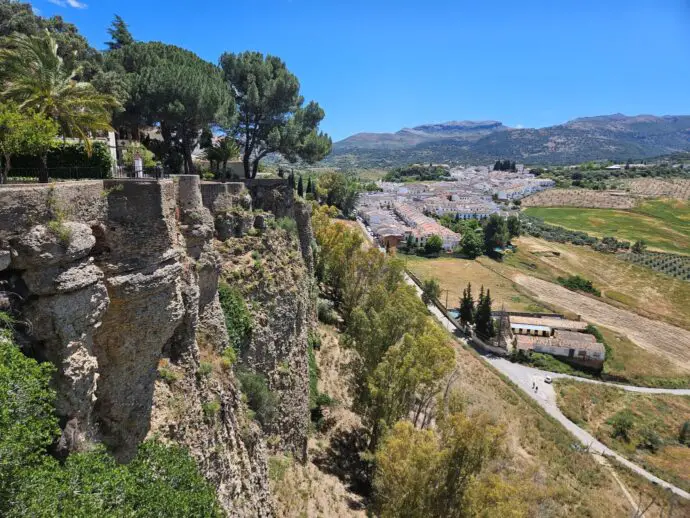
(453, 275)
(591, 406)
(622, 284)
(628, 362)
(663, 224)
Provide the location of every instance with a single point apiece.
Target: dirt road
(658, 337)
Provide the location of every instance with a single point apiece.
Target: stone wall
(113, 278)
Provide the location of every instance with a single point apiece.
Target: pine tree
(467, 306)
(300, 187)
(119, 34)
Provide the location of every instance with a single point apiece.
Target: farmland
(662, 224)
(621, 283)
(675, 265)
(678, 188)
(453, 275)
(579, 198)
(643, 427)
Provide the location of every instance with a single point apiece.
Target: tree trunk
(247, 165)
(255, 168)
(5, 169)
(187, 154)
(43, 173)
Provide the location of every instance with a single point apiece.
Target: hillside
(614, 137)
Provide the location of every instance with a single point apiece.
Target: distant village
(408, 209)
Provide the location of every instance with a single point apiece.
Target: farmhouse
(581, 347)
(543, 326)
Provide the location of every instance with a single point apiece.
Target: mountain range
(608, 137)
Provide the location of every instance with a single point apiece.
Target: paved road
(527, 377)
(544, 394)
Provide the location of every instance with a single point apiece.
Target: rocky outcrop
(118, 280)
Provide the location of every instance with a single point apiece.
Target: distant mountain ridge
(614, 137)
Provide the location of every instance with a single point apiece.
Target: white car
(547, 379)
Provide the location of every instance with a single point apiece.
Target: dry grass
(637, 288)
(668, 188)
(592, 407)
(578, 198)
(453, 275)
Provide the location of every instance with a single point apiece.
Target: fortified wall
(111, 279)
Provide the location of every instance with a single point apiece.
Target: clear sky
(379, 65)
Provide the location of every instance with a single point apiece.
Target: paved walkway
(524, 376)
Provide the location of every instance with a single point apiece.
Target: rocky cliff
(116, 284)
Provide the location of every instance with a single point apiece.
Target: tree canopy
(119, 34)
(272, 117)
(174, 88)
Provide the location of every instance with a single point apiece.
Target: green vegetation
(260, 399)
(159, 481)
(675, 265)
(483, 322)
(577, 283)
(238, 320)
(271, 116)
(644, 427)
(431, 290)
(418, 173)
(339, 190)
(505, 165)
(661, 224)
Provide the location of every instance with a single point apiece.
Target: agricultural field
(646, 428)
(621, 283)
(675, 265)
(579, 198)
(453, 275)
(678, 188)
(662, 224)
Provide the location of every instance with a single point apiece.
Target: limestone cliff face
(117, 283)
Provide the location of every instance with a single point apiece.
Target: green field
(663, 224)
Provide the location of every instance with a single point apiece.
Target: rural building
(580, 347)
(522, 325)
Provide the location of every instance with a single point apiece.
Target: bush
(326, 313)
(238, 320)
(67, 160)
(260, 399)
(205, 369)
(211, 409)
(622, 424)
(577, 283)
(229, 358)
(287, 224)
(650, 440)
(684, 435)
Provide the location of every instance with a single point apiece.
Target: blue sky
(382, 65)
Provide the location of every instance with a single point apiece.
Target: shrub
(287, 224)
(622, 424)
(205, 369)
(229, 358)
(260, 399)
(68, 160)
(326, 313)
(650, 440)
(577, 283)
(211, 409)
(684, 435)
(238, 320)
(168, 375)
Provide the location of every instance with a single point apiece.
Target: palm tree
(221, 153)
(36, 78)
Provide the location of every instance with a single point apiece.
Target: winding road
(545, 396)
(527, 377)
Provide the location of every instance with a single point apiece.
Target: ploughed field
(662, 224)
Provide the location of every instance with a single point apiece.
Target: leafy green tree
(272, 118)
(495, 234)
(28, 425)
(36, 78)
(119, 34)
(431, 290)
(407, 379)
(639, 247)
(23, 133)
(433, 245)
(467, 306)
(514, 226)
(174, 89)
(340, 190)
(439, 473)
(409, 243)
(472, 244)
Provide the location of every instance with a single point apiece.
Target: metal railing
(28, 175)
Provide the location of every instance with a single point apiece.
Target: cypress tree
(309, 186)
(300, 187)
(467, 306)
(291, 180)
